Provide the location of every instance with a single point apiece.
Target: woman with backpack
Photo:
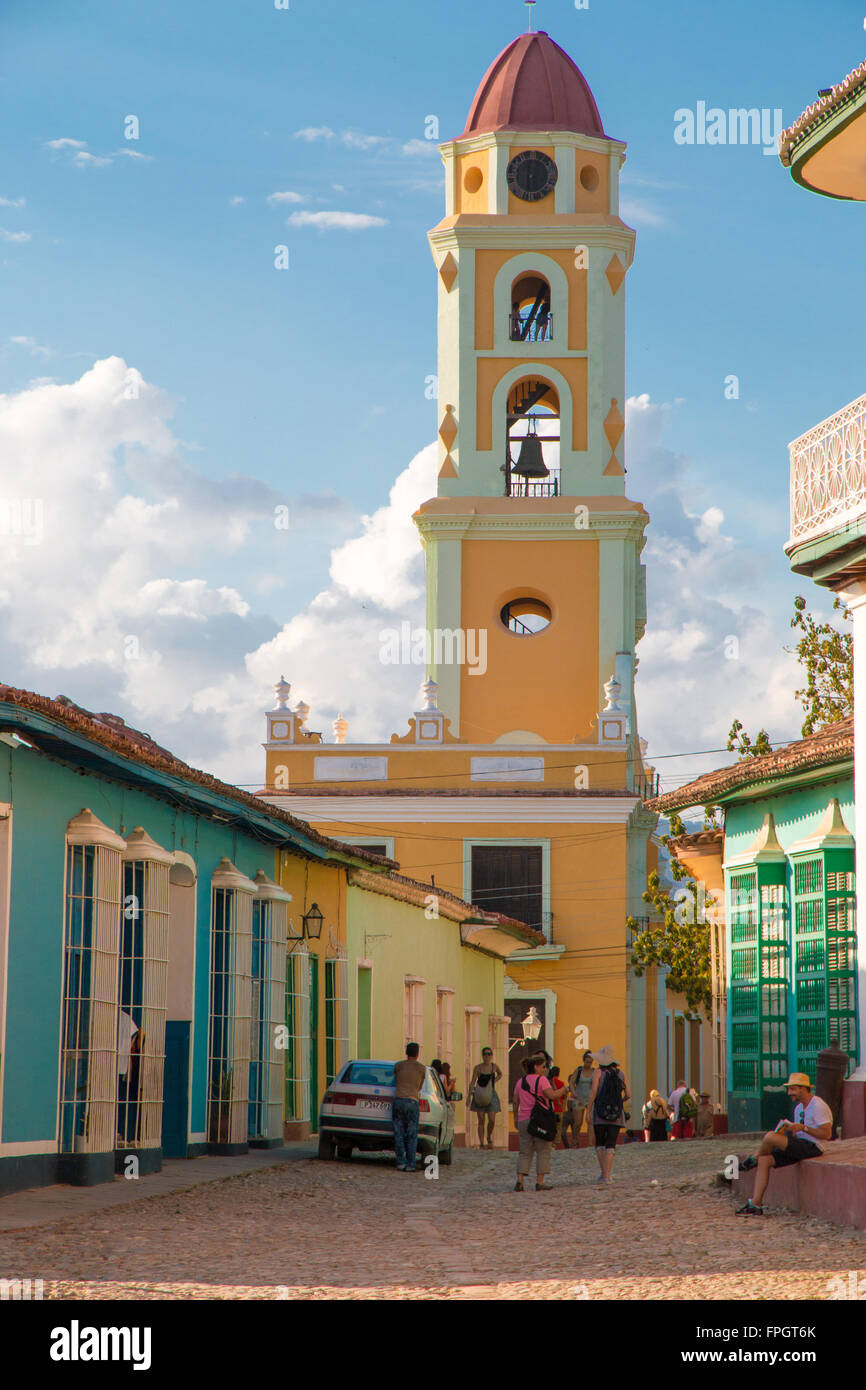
(607, 1108)
(659, 1116)
(535, 1120)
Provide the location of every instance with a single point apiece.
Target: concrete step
(831, 1187)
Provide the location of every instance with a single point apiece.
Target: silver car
(356, 1113)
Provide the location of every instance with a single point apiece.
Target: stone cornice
(484, 140)
(459, 810)
(493, 231)
(560, 527)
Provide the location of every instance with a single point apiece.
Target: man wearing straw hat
(791, 1141)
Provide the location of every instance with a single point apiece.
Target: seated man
(791, 1141)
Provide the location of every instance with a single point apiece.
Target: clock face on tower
(531, 175)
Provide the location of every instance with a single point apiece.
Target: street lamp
(312, 921)
(531, 1025)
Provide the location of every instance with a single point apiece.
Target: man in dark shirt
(408, 1080)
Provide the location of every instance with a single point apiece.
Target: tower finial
(529, 4)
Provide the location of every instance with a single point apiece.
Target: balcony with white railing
(828, 478)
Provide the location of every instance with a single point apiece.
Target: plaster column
(854, 1102)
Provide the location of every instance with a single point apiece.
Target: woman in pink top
(530, 1088)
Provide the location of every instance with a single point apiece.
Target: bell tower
(530, 538)
(519, 783)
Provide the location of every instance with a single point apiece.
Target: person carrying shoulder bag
(536, 1121)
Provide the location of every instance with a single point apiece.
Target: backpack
(543, 1122)
(688, 1110)
(609, 1098)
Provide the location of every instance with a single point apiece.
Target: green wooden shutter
(824, 955)
(775, 950)
(758, 979)
(330, 1022)
(743, 978)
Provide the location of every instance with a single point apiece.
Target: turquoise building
(788, 856)
(122, 1041)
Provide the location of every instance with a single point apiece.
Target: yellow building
(376, 960)
(519, 783)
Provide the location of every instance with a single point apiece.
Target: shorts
(606, 1136)
(795, 1151)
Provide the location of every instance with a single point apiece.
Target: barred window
(413, 1010)
(88, 1061)
(336, 1015)
(267, 1008)
(297, 1056)
(230, 997)
(142, 989)
(445, 1025)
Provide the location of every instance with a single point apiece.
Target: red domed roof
(534, 85)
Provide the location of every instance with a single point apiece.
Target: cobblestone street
(308, 1229)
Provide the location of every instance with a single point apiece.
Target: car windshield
(368, 1074)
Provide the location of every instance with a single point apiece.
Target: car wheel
(327, 1147)
(446, 1155)
(344, 1151)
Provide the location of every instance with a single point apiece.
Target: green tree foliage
(826, 656)
(740, 742)
(678, 933)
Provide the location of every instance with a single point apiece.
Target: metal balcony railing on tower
(532, 327)
(516, 486)
(647, 784)
(529, 475)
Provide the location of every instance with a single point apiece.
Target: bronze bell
(530, 462)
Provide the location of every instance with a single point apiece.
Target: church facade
(520, 782)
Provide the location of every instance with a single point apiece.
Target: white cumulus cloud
(336, 221)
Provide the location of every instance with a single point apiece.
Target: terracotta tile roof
(113, 734)
(833, 744)
(701, 839)
(394, 885)
(534, 85)
(820, 111)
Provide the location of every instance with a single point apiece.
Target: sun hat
(704, 1095)
(604, 1056)
(798, 1078)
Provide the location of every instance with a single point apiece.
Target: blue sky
(308, 385)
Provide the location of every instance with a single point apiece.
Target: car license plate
(376, 1107)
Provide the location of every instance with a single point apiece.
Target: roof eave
(100, 758)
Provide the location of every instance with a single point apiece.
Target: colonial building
(825, 150)
(519, 782)
(787, 855)
(174, 956)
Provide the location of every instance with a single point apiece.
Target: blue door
(175, 1092)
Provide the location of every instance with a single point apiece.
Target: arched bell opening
(532, 439)
(531, 317)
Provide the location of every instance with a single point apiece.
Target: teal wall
(45, 795)
(796, 813)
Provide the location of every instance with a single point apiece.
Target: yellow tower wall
(547, 683)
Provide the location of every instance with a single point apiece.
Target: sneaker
(749, 1210)
(410, 1170)
(748, 1162)
(401, 1167)
(601, 1182)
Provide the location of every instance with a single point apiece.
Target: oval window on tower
(525, 617)
(589, 178)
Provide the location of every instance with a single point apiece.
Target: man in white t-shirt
(791, 1141)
